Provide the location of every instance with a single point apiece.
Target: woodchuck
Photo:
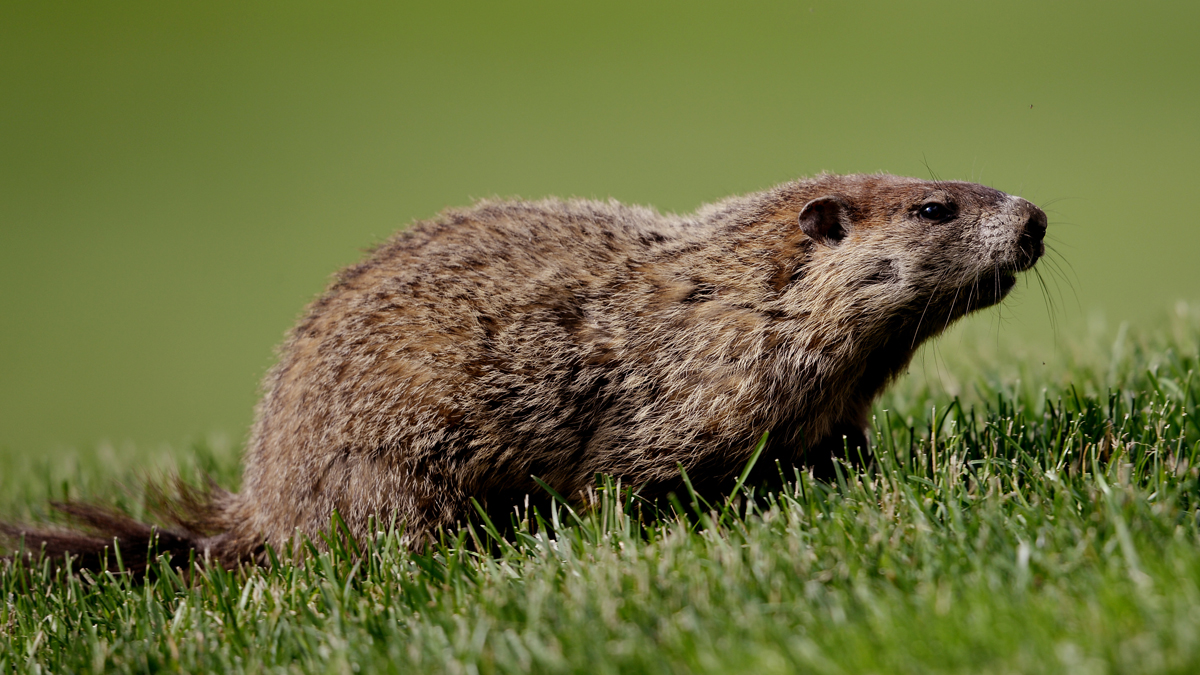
(566, 339)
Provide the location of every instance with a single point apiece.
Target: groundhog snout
(1033, 232)
(1035, 225)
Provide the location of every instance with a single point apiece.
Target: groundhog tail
(100, 538)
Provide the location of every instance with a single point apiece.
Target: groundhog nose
(1035, 226)
(1029, 239)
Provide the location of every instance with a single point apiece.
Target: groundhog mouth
(1029, 252)
(991, 288)
(1030, 244)
(1030, 249)
(1005, 280)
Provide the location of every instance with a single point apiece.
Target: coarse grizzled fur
(564, 339)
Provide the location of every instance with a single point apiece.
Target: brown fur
(568, 338)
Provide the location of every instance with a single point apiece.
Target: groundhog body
(562, 339)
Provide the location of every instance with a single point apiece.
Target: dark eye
(935, 212)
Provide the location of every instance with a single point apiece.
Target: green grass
(1045, 520)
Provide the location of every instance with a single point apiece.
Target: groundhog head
(923, 252)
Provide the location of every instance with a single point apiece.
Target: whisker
(1051, 310)
(950, 314)
(1052, 249)
(1055, 263)
(937, 285)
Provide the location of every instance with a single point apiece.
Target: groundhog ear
(825, 219)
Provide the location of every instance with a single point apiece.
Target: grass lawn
(1025, 514)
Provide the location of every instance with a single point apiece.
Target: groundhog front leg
(847, 441)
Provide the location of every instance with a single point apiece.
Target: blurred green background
(178, 179)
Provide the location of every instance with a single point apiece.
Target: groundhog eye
(935, 212)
